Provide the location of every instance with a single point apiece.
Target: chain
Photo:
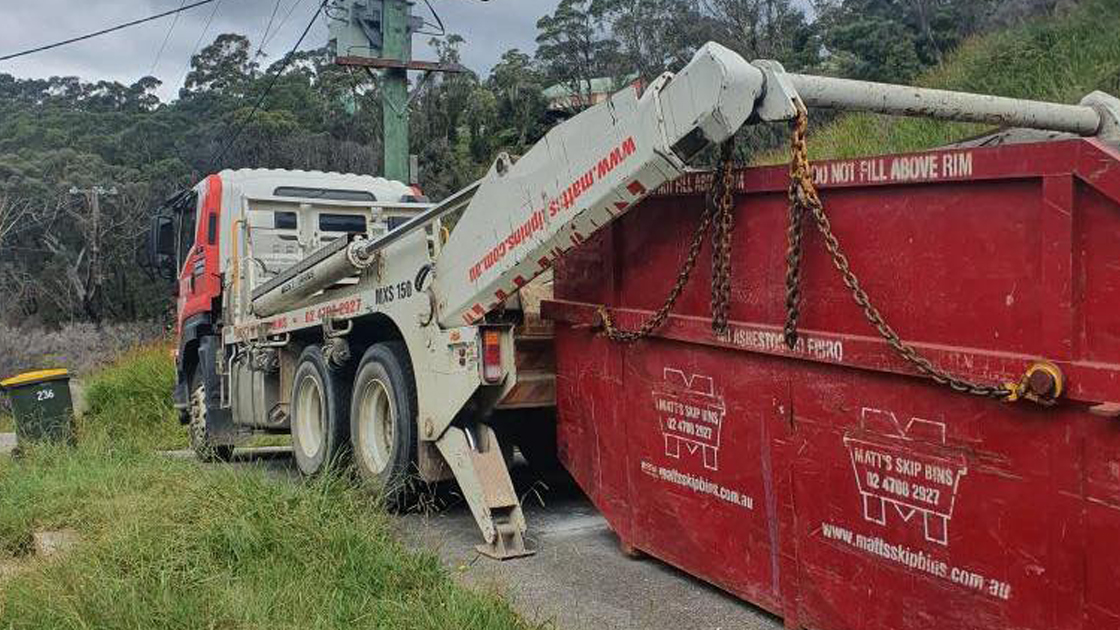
(803, 196)
(800, 187)
(724, 226)
(718, 212)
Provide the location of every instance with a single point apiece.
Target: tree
(518, 88)
(894, 40)
(767, 29)
(652, 35)
(15, 214)
(573, 48)
(224, 66)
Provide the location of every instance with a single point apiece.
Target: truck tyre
(318, 409)
(383, 421)
(198, 415)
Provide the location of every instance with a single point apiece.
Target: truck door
(199, 278)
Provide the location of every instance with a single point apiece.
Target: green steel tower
(377, 34)
(394, 88)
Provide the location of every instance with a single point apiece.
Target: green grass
(168, 543)
(267, 440)
(1053, 59)
(130, 402)
(7, 424)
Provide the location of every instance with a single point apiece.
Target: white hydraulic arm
(594, 167)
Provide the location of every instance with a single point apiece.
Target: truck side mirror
(161, 246)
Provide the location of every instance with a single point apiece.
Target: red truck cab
(185, 248)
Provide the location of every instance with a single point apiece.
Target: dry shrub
(77, 347)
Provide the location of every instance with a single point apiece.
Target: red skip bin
(830, 482)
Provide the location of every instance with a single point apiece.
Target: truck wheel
(198, 419)
(318, 411)
(383, 421)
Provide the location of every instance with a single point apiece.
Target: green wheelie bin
(41, 406)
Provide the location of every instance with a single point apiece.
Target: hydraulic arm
(591, 169)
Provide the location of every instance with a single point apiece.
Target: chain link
(718, 213)
(804, 197)
(798, 193)
(724, 226)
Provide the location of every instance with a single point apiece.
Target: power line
(105, 31)
(439, 22)
(284, 21)
(268, 88)
(267, 29)
(198, 42)
(166, 38)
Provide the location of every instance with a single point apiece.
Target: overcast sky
(490, 28)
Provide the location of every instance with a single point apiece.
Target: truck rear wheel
(383, 421)
(318, 411)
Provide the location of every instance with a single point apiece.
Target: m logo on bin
(907, 467)
(690, 414)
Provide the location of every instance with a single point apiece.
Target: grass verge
(171, 544)
(1055, 59)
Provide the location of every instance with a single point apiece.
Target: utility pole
(377, 35)
(397, 45)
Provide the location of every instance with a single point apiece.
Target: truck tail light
(491, 355)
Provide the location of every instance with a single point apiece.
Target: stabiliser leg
(475, 458)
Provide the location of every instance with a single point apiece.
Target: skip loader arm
(596, 166)
(583, 174)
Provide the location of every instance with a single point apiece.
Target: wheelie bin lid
(32, 378)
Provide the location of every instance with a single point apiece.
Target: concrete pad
(244, 455)
(78, 397)
(182, 454)
(275, 460)
(7, 443)
(47, 544)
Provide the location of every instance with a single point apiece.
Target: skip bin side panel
(1100, 505)
(890, 503)
(944, 505)
(591, 427)
(1098, 276)
(592, 431)
(704, 495)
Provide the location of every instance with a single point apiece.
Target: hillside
(1060, 59)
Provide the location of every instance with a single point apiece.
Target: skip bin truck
(338, 309)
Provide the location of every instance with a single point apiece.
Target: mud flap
(220, 427)
(475, 457)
